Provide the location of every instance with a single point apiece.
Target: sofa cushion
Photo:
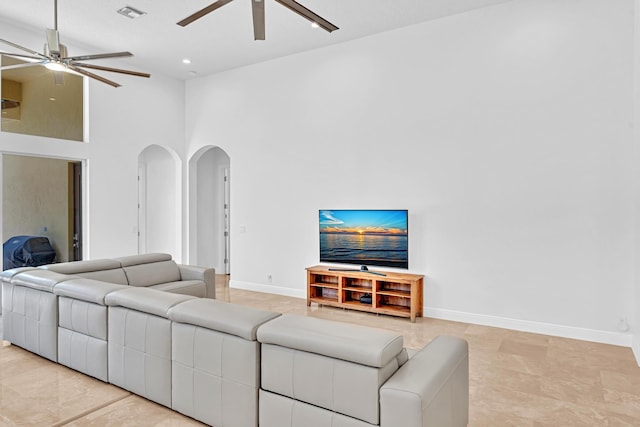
(112, 276)
(107, 270)
(88, 290)
(6, 275)
(195, 288)
(42, 280)
(127, 261)
(221, 316)
(353, 343)
(152, 273)
(145, 300)
(74, 267)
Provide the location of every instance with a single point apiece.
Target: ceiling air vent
(131, 12)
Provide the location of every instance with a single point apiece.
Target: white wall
(506, 132)
(122, 122)
(635, 318)
(161, 201)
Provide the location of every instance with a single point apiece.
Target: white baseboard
(269, 289)
(604, 337)
(636, 348)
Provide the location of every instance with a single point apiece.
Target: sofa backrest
(106, 270)
(149, 269)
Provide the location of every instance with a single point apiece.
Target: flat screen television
(371, 237)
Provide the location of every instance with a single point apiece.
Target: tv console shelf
(396, 294)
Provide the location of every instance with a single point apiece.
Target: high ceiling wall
(507, 133)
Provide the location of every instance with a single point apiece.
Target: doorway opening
(209, 209)
(44, 197)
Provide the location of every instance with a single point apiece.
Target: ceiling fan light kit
(54, 57)
(258, 15)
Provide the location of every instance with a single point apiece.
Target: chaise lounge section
(322, 373)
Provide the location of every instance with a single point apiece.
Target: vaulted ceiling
(223, 39)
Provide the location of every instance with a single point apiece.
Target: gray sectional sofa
(229, 365)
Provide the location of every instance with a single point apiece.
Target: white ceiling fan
(55, 58)
(258, 15)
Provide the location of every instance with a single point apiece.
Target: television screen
(365, 237)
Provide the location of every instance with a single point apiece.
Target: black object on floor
(27, 251)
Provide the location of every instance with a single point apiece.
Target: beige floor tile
(134, 411)
(516, 378)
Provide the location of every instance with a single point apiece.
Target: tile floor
(516, 378)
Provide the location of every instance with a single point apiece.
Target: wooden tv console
(396, 294)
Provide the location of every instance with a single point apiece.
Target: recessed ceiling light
(315, 25)
(52, 99)
(186, 61)
(131, 12)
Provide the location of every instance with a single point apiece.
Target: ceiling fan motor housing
(52, 48)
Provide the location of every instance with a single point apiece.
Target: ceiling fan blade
(199, 14)
(113, 70)
(26, 64)
(21, 56)
(98, 56)
(258, 19)
(307, 14)
(26, 49)
(93, 76)
(58, 78)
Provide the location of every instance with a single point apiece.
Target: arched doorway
(209, 205)
(159, 202)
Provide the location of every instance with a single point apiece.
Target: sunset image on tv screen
(365, 237)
